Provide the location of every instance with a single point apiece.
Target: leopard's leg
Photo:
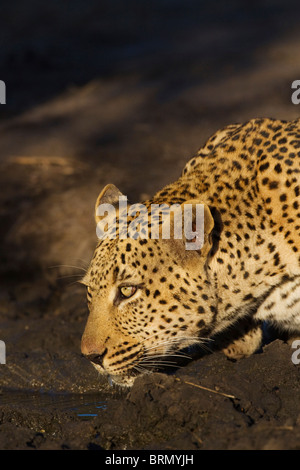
(241, 339)
(246, 345)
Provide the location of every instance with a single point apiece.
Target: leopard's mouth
(124, 380)
(145, 366)
(127, 379)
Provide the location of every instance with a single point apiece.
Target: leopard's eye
(127, 291)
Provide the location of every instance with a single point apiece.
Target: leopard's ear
(109, 195)
(193, 229)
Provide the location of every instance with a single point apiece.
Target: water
(87, 410)
(85, 406)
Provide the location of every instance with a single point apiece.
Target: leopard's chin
(125, 381)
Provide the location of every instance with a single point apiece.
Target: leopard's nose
(92, 350)
(96, 357)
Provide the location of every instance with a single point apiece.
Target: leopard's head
(148, 299)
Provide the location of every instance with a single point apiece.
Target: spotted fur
(247, 176)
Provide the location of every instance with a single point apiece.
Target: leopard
(151, 300)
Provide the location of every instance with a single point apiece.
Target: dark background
(121, 92)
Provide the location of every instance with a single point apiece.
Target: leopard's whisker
(162, 365)
(141, 369)
(70, 275)
(152, 356)
(172, 341)
(196, 339)
(68, 266)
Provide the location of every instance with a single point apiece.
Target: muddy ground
(124, 93)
